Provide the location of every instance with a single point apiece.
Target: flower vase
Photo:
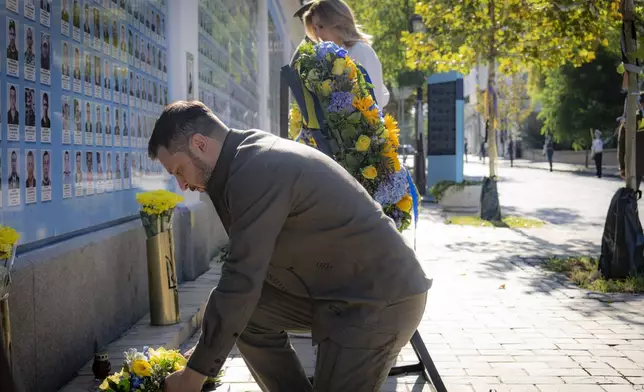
(5, 288)
(163, 287)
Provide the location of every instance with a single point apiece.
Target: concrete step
(192, 303)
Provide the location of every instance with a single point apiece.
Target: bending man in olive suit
(309, 249)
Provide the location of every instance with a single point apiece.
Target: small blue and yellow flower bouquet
(146, 371)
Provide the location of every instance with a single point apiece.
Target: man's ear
(199, 142)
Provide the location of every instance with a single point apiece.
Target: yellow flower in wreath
(393, 137)
(369, 172)
(142, 368)
(372, 116)
(405, 203)
(363, 143)
(339, 66)
(392, 159)
(390, 122)
(325, 88)
(351, 66)
(362, 104)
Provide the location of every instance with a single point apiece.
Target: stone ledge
(192, 302)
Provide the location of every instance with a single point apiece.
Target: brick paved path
(495, 320)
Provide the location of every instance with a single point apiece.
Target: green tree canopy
(515, 33)
(386, 21)
(575, 99)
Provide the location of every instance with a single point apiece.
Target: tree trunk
(633, 92)
(491, 141)
(490, 206)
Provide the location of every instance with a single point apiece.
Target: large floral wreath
(365, 141)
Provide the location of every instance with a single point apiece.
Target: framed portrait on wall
(100, 185)
(65, 67)
(78, 174)
(45, 13)
(87, 26)
(89, 173)
(30, 181)
(78, 132)
(13, 114)
(123, 75)
(77, 70)
(76, 21)
(106, 34)
(96, 43)
(98, 126)
(45, 120)
(89, 89)
(30, 114)
(13, 180)
(117, 127)
(114, 38)
(13, 51)
(45, 183)
(109, 174)
(30, 55)
(45, 59)
(67, 126)
(107, 81)
(67, 174)
(89, 129)
(64, 18)
(98, 77)
(125, 130)
(107, 128)
(116, 90)
(118, 174)
(126, 170)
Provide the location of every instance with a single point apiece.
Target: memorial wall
(83, 83)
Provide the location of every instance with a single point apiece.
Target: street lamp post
(416, 25)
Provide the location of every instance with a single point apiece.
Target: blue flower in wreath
(325, 48)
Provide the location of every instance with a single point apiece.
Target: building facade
(83, 82)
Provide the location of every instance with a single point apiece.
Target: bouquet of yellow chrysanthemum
(146, 371)
(360, 138)
(157, 208)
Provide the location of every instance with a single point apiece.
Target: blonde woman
(333, 20)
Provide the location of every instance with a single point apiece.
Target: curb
(579, 170)
(193, 297)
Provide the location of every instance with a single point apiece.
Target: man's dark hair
(179, 122)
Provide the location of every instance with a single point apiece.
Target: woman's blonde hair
(335, 14)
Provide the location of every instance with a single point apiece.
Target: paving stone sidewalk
(496, 320)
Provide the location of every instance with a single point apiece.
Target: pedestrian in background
(549, 149)
(465, 148)
(511, 151)
(598, 152)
